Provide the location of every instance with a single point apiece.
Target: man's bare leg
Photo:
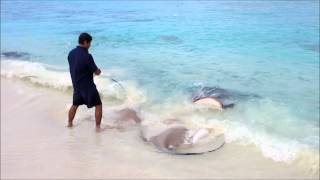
(72, 113)
(98, 114)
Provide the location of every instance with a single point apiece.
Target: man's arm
(93, 67)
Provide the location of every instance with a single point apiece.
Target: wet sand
(35, 143)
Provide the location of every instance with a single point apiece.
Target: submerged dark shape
(312, 47)
(128, 114)
(171, 39)
(227, 98)
(77, 32)
(15, 55)
(142, 20)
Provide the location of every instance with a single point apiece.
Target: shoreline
(36, 144)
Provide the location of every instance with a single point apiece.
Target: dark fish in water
(312, 47)
(16, 55)
(141, 20)
(171, 39)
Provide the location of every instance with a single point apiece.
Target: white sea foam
(36, 73)
(44, 75)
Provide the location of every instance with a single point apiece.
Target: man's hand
(97, 72)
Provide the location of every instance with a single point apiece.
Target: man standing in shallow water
(82, 67)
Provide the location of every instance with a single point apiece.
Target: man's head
(85, 40)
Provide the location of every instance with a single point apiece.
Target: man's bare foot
(100, 129)
(70, 125)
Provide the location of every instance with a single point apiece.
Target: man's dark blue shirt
(82, 67)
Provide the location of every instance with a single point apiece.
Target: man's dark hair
(84, 37)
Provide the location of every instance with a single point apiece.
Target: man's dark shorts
(89, 96)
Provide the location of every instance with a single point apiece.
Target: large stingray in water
(219, 98)
(179, 140)
(122, 118)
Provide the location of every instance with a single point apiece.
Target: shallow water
(165, 50)
(36, 144)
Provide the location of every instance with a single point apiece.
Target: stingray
(219, 98)
(124, 118)
(179, 140)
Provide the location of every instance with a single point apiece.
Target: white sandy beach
(36, 144)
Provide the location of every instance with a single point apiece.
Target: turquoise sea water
(269, 49)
